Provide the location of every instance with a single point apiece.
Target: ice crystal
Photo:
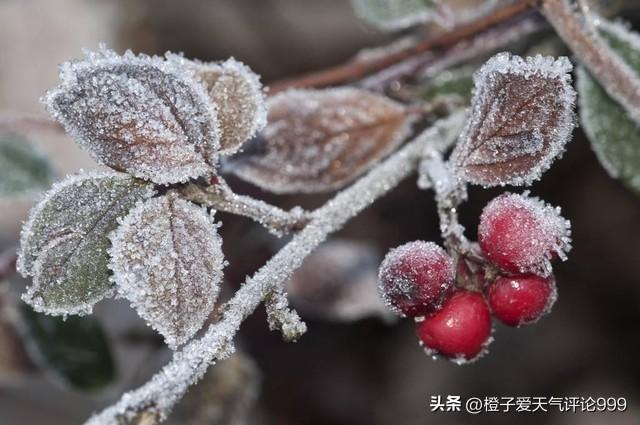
(143, 115)
(64, 242)
(521, 118)
(237, 92)
(167, 260)
(320, 140)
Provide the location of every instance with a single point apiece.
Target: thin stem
(189, 364)
(220, 197)
(617, 78)
(360, 67)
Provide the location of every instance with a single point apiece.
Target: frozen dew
(320, 140)
(237, 92)
(64, 242)
(139, 114)
(522, 116)
(167, 260)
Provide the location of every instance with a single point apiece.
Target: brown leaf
(237, 92)
(167, 260)
(320, 140)
(521, 118)
(138, 114)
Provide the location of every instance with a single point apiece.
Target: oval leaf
(320, 140)
(73, 350)
(614, 136)
(237, 93)
(167, 260)
(22, 167)
(139, 114)
(64, 243)
(521, 118)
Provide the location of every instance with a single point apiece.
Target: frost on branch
(281, 317)
(320, 140)
(521, 118)
(64, 242)
(167, 260)
(139, 114)
(237, 92)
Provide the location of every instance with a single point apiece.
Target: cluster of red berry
(452, 300)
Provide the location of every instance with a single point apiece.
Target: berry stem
(220, 197)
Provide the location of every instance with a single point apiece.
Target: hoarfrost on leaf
(237, 92)
(320, 140)
(64, 243)
(521, 118)
(167, 260)
(139, 114)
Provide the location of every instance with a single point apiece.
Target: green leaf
(22, 167)
(456, 82)
(394, 14)
(614, 136)
(74, 350)
(64, 244)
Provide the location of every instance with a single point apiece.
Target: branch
(360, 67)
(220, 197)
(188, 365)
(617, 78)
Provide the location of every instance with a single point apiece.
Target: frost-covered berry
(461, 330)
(521, 234)
(521, 300)
(415, 278)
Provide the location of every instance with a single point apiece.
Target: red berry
(521, 300)
(522, 234)
(460, 330)
(415, 278)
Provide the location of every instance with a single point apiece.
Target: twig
(220, 197)
(360, 67)
(617, 78)
(429, 64)
(189, 364)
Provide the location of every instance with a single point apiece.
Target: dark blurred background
(362, 372)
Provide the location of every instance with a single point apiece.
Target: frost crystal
(237, 92)
(521, 118)
(320, 140)
(64, 242)
(139, 114)
(167, 260)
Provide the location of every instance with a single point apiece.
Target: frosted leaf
(320, 140)
(237, 93)
(64, 243)
(614, 135)
(167, 260)
(338, 282)
(23, 169)
(521, 118)
(139, 114)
